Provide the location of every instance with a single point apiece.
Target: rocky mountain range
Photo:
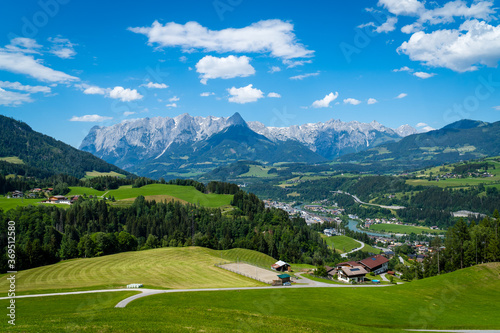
(152, 146)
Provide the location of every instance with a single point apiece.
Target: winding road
(367, 203)
(344, 255)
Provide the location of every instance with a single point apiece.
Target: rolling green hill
(26, 152)
(171, 267)
(465, 299)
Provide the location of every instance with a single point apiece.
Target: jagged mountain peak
(236, 120)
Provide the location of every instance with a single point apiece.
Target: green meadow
(403, 229)
(465, 299)
(169, 267)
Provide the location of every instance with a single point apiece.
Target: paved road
(344, 255)
(367, 203)
(72, 293)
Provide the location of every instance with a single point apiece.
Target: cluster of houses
(355, 271)
(61, 199)
(477, 174)
(33, 193)
(321, 209)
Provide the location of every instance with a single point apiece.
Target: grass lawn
(186, 193)
(7, 204)
(341, 244)
(258, 171)
(466, 299)
(403, 229)
(172, 267)
(93, 174)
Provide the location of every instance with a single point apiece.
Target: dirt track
(253, 272)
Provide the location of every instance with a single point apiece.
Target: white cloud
(474, 43)
(11, 98)
(424, 75)
(269, 36)
(183, 59)
(325, 102)
(125, 95)
(351, 101)
(224, 68)
(62, 47)
(171, 105)
(371, 101)
(478, 10)
(274, 95)
(402, 95)
(295, 63)
(244, 94)
(387, 26)
(402, 7)
(274, 69)
(206, 94)
(174, 99)
(303, 76)
(128, 113)
(91, 118)
(423, 127)
(23, 45)
(154, 85)
(26, 64)
(497, 107)
(94, 90)
(403, 69)
(21, 87)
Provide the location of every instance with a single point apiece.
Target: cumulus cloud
(20, 87)
(402, 7)
(174, 99)
(325, 102)
(206, 94)
(224, 68)
(371, 101)
(244, 94)
(125, 95)
(62, 47)
(352, 101)
(153, 85)
(446, 14)
(275, 37)
(128, 113)
(303, 76)
(12, 98)
(402, 95)
(171, 105)
(461, 50)
(274, 95)
(423, 127)
(91, 118)
(424, 75)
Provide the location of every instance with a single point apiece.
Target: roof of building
(348, 263)
(354, 271)
(281, 263)
(284, 276)
(374, 261)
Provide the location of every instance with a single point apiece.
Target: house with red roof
(377, 264)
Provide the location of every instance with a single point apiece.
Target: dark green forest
(91, 227)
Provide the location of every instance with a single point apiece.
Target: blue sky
(66, 66)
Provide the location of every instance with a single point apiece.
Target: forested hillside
(38, 155)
